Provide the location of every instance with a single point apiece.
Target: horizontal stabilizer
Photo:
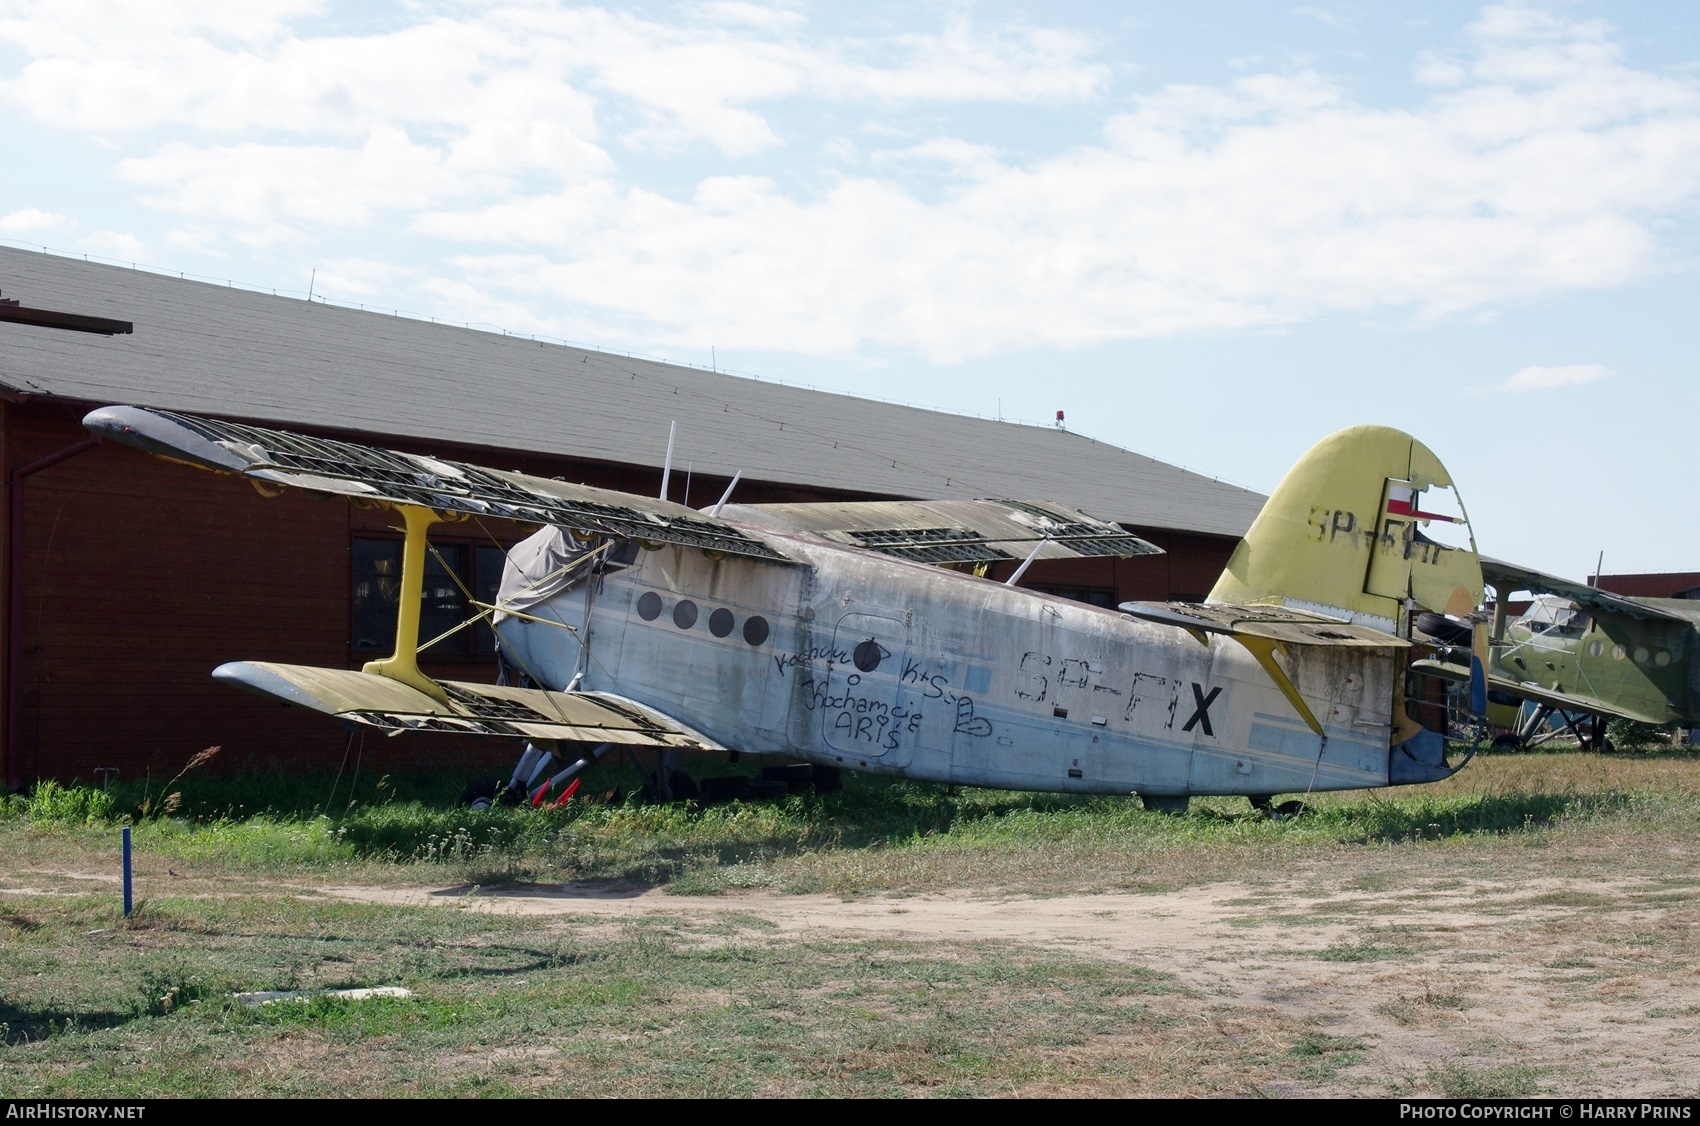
(281, 457)
(1272, 622)
(471, 709)
(953, 531)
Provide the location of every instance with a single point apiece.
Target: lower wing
(470, 709)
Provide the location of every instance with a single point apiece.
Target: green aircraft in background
(1583, 652)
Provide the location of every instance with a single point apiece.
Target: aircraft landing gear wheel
(1443, 629)
(1597, 740)
(684, 787)
(1507, 742)
(1288, 810)
(480, 793)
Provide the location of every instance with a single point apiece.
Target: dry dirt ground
(1591, 987)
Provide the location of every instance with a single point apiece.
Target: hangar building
(128, 579)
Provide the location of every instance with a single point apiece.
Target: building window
(377, 594)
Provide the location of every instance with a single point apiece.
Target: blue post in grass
(127, 899)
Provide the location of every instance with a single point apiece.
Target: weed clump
(49, 803)
(1512, 1081)
(1630, 735)
(166, 989)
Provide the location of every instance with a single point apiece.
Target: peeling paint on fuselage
(887, 666)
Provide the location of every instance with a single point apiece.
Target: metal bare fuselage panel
(895, 667)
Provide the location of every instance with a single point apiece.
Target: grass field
(1527, 927)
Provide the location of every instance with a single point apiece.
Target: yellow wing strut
(403, 664)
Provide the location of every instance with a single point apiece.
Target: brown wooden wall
(1186, 570)
(141, 576)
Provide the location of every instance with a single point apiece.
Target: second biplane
(847, 635)
(1580, 651)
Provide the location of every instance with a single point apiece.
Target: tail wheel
(1286, 811)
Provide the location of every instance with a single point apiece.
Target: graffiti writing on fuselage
(858, 718)
(807, 657)
(936, 686)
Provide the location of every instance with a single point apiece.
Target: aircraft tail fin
(1366, 520)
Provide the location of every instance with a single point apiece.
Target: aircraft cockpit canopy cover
(1550, 614)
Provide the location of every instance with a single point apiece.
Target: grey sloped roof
(235, 353)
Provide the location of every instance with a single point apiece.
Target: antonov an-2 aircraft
(842, 634)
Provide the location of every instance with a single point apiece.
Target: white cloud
(756, 15)
(120, 246)
(1265, 202)
(1539, 161)
(354, 279)
(333, 186)
(1537, 378)
(1320, 15)
(959, 156)
(510, 62)
(963, 62)
(29, 220)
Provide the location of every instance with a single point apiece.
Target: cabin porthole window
(755, 630)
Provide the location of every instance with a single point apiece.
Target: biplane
(1580, 655)
(858, 635)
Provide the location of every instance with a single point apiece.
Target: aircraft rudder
(1353, 530)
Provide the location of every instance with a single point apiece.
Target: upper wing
(323, 465)
(1507, 577)
(954, 531)
(471, 709)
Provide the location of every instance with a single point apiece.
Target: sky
(1212, 233)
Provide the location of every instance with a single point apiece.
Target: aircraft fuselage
(1647, 670)
(888, 666)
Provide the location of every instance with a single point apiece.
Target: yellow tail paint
(1344, 534)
